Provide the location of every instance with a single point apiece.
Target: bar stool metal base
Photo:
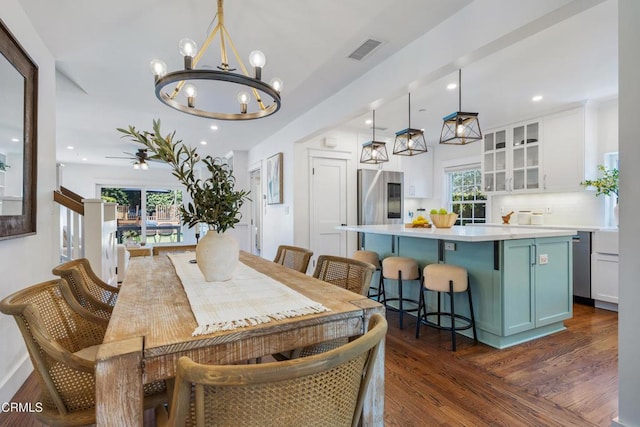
(423, 317)
(400, 299)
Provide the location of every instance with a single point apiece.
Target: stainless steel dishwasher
(582, 268)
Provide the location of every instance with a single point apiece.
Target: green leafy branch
(214, 200)
(607, 184)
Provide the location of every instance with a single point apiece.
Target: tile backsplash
(576, 208)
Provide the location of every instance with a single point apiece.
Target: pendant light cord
(459, 89)
(409, 111)
(374, 126)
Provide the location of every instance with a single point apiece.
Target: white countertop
(477, 233)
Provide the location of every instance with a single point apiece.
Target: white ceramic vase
(615, 212)
(217, 256)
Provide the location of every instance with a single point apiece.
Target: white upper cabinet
(569, 149)
(552, 153)
(511, 158)
(418, 174)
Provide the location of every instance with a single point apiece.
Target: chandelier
(179, 89)
(374, 152)
(410, 142)
(460, 128)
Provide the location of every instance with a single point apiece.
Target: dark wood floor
(567, 379)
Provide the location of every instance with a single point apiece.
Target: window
(465, 194)
(146, 215)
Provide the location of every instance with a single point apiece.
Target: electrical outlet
(543, 259)
(449, 246)
(547, 209)
(503, 210)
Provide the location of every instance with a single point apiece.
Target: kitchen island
(520, 278)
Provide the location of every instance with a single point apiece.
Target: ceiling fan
(139, 158)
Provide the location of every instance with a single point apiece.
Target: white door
(256, 212)
(328, 206)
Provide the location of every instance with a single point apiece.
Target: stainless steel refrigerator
(380, 197)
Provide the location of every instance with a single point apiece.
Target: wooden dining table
(152, 324)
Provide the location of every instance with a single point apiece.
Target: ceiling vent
(365, 49)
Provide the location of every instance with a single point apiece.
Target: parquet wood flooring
(566, 379)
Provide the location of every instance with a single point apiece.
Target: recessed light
(15, 140)
(368, 122)
(214, 127)
(84, 159)
(537, 98)
(452, 86)
(203, 142)
(69, 147)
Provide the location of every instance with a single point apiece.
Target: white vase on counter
(615, 213)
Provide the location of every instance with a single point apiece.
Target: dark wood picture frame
(12, 226)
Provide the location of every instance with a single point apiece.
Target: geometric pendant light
(374, 152)
(460, 128)
(410, 142)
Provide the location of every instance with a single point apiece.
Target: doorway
(328, 206)
(256, 211)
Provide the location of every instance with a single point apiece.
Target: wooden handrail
(75, 196)
(68, 202)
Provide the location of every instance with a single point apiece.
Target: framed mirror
(18, 138)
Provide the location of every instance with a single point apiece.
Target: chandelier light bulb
(158, 67)
(460, 130)
(188, 47)
(276, 83)
(144, 166)
(243, 97)
(257, 59)
(136, 165)
(190, 90)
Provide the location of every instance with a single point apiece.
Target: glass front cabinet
(511, 159)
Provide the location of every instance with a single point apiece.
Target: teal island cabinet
(521, 278)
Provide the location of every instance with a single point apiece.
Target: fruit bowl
(444, 220)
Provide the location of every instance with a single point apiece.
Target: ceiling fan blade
(119, 157)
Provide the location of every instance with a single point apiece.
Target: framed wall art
(274, 179)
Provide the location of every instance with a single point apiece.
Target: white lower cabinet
(604, 270)
(604, 276)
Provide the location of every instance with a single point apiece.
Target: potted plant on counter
(607, 184)
(215, 201)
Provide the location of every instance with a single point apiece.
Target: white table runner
(249, 298)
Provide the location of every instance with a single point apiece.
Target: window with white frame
(465, 196)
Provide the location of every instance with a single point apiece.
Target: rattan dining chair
(63, 340)
(346, 273)
(90, 291)
(322, 390)
(293, 257)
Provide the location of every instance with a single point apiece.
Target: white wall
(29, 260)
(629, 315)
(277, 224)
